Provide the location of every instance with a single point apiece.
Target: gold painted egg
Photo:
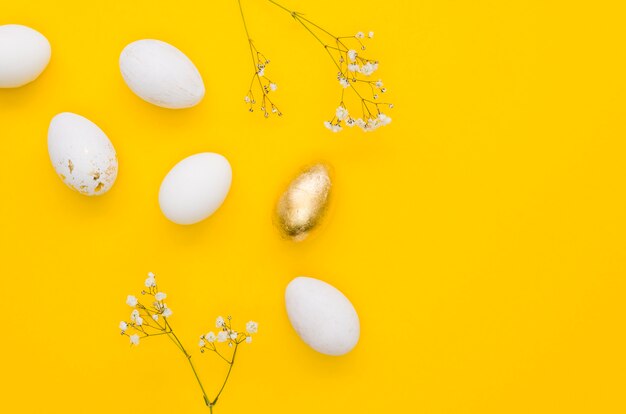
(303, 205)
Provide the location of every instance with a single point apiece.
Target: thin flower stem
(251, 46)
(300, 16)
(245, 26)
(377, 103)
(282, 7)
(297, 15)
(221, 356)
(155, 334)
(206, 398)
(259, 61)
(193, 368)
(301, 19)
(230, 368)
(176, 343)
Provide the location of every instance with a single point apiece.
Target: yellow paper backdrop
(481, 235)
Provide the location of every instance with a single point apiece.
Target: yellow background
(480, 236)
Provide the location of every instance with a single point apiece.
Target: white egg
(81, 154)
(195, 188)
(161, 74)
(322, 316)
(24, 54)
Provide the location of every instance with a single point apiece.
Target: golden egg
(302, 206)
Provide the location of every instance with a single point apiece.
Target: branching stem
(193, 368)
(230, 368)
(303, 21)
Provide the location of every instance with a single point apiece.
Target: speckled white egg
(24, 54)
(195, 188)
(81, 154)
(322, 316)
(161, 74)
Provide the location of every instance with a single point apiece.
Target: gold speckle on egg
(302, 206)
(70, 165)
(112, 168)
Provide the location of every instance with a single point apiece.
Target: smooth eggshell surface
(195, 188)
(322, 316)
(81, 154)
(161, 74)
(24, 54)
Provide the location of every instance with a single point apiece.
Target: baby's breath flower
(373, 123)
(341, 113)
(134, 315)
(259, 82)
(150, 281)
(384, 119)
(352, 71)
(248, 339)
(252, 327)
(137, 328)
(368, 69)
(332, 127)
(131, 301)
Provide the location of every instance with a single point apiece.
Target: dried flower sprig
(227, 335)
(259, 81)
(152, 320)
(354, 73)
